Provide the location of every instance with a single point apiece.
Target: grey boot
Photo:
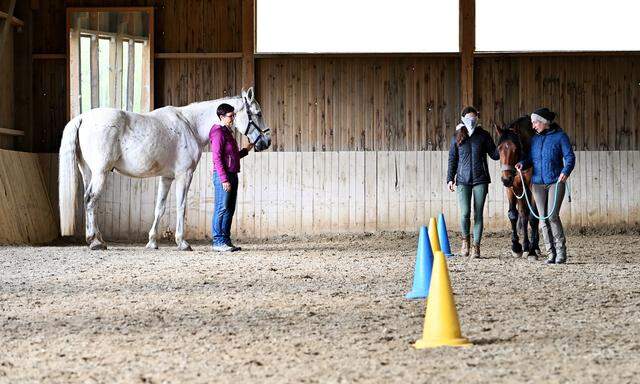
(561, 258)
(464, 250)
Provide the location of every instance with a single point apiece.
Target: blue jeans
(224, 208)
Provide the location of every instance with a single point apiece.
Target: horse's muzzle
(507, 181)
(263, 142)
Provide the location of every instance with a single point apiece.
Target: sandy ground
(323, 310)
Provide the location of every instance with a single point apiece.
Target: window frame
(148, 54)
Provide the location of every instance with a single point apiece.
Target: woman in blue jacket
(468, 170)
(553, 160)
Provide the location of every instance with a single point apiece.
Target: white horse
(166, 142)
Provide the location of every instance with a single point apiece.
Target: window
(109, 61)
(85, 73)
(356, 26)
(104, 69)
(557, 25)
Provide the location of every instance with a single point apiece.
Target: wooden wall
(345, 104)
(301, 193)
(180, 26)
(26, 215)
(6, 85)
(324, 104)
(180, 82)
(317, 103)
(6, 80)
(597, 98)
(356, 140)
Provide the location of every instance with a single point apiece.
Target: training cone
(433, 236)
(441, 324)
(422, 272)
(443, 236)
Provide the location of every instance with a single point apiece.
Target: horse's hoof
(98, 246)
(516, 254)
(532, 257)
(185, 247)
(152, 245)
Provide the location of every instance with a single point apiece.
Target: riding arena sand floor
(317, 310)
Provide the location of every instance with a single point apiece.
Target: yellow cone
(441, 324)
(433, 236)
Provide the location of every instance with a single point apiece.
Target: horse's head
(250, 123)
(513, 144)
(509, 147)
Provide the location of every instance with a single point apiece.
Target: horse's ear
(250, 95)
(496, 128)
(243, 93)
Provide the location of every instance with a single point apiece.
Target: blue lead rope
(526, 196)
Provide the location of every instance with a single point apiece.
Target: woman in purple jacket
(226, 162)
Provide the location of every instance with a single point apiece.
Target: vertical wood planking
(370, 187)
(382, 190)
(319, 211)
(332, 191)
(341, 161)
(308, 205)
(321, 192)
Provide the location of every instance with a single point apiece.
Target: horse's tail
(68, 176)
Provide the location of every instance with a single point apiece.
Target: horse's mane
(519, 131)
(519, 122)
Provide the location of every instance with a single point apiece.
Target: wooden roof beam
(467, 49)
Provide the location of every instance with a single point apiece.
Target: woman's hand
(248, 147)
(563, 178)
(451, 186)
(226, 186)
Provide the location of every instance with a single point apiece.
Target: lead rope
(526, 196)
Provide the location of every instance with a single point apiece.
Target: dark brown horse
(514, 144)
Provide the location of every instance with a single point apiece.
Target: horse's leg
(91, 196)
(85, 172)
(535, 229)
(516, 248)
(524, 214)
(182, 187)
(161, 200)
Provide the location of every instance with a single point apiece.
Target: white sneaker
(222, 248)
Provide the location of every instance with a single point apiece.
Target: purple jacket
(224, 151)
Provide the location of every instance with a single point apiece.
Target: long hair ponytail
(462, 134)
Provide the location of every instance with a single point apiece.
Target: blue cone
(443, 237)
(424, 264)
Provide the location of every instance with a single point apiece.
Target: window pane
(125, 73)
(85, 73)
(103, 69)
(357, 26)
(557, 25)
(137, 77)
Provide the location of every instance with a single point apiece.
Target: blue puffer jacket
(551, 154)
